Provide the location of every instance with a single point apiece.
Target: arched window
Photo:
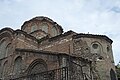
(44, 27)
(33, 28)
(96, 47)
(53, 31)
(37, 66)
(8, 49)
(17, 65)
(3, 44)
(5, 69)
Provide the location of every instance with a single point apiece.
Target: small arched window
(108, 48)
(17, 65)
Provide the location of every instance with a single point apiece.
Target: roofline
(7, 29)
(70, 32)
(50, 53)
(25, 33)
(93, 36)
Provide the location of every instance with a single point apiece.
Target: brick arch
(37, 66)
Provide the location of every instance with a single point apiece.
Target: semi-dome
(42, 25)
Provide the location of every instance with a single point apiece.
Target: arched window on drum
(54, 31)
(44, 27)
(33, 28)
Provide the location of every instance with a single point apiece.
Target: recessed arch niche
(37, 66)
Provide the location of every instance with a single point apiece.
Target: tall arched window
(5, 69)
(96, 47)
(17, 65)
(3, 44)
(8, 49)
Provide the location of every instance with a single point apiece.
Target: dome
(42, 24)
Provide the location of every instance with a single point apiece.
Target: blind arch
(37, 66)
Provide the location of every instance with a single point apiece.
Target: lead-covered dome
(42, 26)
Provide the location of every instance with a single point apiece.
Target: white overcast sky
(82, 16)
